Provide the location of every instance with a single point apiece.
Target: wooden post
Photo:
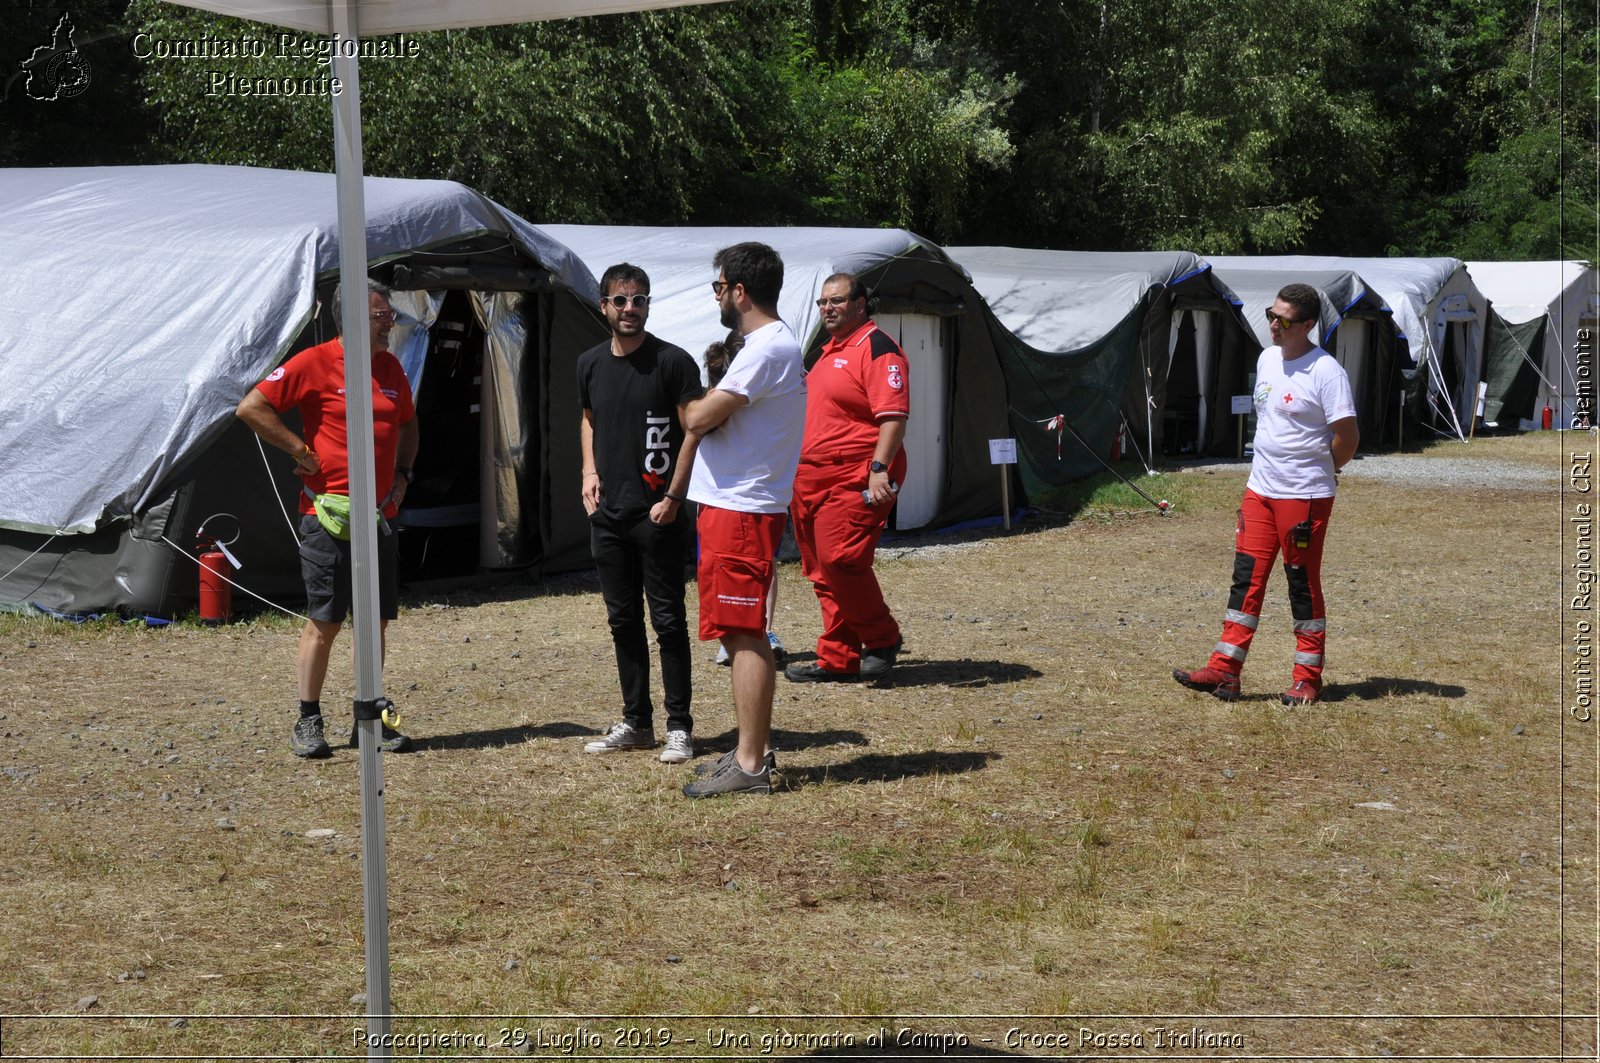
(1005, 495)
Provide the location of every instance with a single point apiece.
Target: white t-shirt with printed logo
(1296, 402)
(747, 464)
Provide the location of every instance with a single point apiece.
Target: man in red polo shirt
(313, 382)
(851, 465)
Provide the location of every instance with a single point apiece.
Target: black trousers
(643, 563)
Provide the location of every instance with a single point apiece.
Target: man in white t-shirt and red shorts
(749, 428)
(1305, 433)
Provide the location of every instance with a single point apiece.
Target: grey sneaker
(730, 779)
(623, 735)
(307, 739)
(769, 763)
(391, 742)
(679, 748)
(722, 657)
(876, 663)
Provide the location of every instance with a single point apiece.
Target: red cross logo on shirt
(1287, 397)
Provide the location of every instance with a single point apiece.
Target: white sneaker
(622, 736)
(723, 658)
(679, 748)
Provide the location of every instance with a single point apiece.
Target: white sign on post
(1242, 404)
(1003, 452)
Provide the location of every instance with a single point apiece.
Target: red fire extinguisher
(217, 566)
(1116, 446)
(1546, 418)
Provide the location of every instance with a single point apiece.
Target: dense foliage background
(1351, 127)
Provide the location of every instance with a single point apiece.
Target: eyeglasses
(718, 287)
(832, 300)
(382, 315)
(1284, 322)
(622, 302)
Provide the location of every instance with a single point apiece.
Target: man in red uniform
(313, 381)
(851, 465)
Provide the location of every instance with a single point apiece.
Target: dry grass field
(1028, 841)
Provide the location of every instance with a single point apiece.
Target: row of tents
(142, 302)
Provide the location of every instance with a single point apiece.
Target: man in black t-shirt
(636, 461)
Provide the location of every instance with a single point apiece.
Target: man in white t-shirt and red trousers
(1305, 433)
(749, 428)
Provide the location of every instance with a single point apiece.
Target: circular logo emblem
(67, 75)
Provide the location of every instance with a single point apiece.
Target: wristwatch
(405, 473)
(878, 466)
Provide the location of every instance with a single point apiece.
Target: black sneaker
(392, 742)
(307, 739)
(877, 662)
(709, 767)
(812, 672)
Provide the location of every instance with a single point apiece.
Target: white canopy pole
(348, 169)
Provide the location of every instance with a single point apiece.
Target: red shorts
(736, 551)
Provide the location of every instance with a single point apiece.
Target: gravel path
(1433, 470)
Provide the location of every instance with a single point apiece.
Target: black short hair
(621, 273)
(858, 289)
(338, 301)
(1305, 299)
(757, 267)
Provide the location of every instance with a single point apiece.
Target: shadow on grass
(499, 736)
(1374, 687)
(782, 740)
(886, 767)
(962, 673)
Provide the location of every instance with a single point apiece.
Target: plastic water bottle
(894, 489)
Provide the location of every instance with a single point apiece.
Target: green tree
(93, 122)
(593, 120)
(876, 143)
(1531, 192)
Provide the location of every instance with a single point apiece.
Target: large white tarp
(1429, 297)
(1059, 301)
(1257, 289)
(678, 261)
(1568, 293)
(140, 303)
(1525, 291)
(1422, 292)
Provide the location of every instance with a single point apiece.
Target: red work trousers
(1267, 525)
(838, 536)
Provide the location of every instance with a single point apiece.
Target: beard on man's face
(731, 318)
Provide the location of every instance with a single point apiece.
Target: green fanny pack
(333, 513)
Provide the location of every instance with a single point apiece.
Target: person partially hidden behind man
(1305, 433)
(852, 463)
(313, 382)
